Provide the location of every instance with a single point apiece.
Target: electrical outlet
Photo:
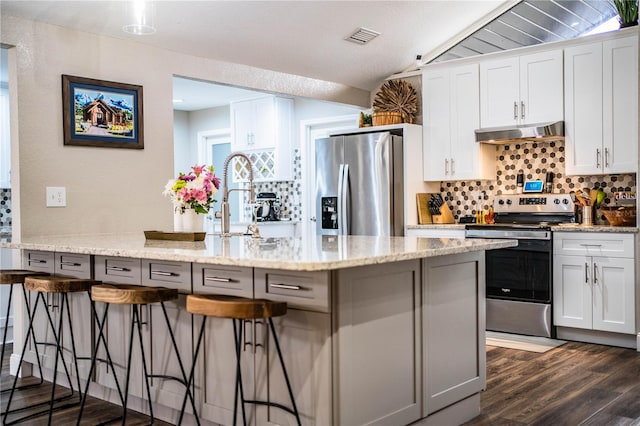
(56, 196)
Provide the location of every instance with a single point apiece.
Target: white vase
(192, 221)
(177, 220)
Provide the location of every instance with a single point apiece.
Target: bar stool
(62, 286)
(134, 295)
(239, 309)
(11, 277)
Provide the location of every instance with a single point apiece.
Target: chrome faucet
(224, 209)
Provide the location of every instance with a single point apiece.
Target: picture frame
(102, 113)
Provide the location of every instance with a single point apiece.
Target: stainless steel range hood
(521, 134)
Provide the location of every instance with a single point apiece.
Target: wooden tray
(175, 236)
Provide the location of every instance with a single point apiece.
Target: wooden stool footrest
(132, 294)
(234, 307)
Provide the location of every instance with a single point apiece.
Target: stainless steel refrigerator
(359, 184)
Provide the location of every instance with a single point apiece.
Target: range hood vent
(521, 134)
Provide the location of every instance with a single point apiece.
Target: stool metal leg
(94, 358)
(6, 325)
(193, 367)
(180, 364)
(136, 320)
(284, 370)
(26, 340)
(58, 346)
(65, 300)
(238, 327)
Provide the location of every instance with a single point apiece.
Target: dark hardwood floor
(96, 411)
(575, 384)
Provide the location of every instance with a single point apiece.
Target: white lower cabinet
(594, 286)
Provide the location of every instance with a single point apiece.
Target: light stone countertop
(576, 227)
(318, 253)
(570, 227)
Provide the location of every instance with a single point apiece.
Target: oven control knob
(557, 201)
(508, 202)
(565, 201)
(501, 202)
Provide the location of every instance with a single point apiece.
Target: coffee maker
(267, 207)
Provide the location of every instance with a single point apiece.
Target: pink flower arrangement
(194, 190)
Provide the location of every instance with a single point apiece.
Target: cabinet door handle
(118, 269)
(586, 272)
(446, 166)
(165, 274)
(606, 157)
(37, 261)
(220, 279)
(515, 110)
(522, 109)
(70, 264)
(286, 286)
(597, 157)
(452, 168)
(595, 273)
(590, 245)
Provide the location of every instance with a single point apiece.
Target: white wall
(182, 150)
(110, 190)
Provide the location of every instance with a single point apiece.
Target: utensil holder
(587, 215)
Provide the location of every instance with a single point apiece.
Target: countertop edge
(292, 265)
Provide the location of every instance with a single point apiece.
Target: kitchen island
(380, 330)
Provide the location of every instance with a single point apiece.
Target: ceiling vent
(362, 36)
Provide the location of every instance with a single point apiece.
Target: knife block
(425, 216)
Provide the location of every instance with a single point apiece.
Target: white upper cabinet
(450, 99)
(263, 128)
(521, 90)
(601, 107)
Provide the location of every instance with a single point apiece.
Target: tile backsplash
(534, 160)
(290, 191)
(5, 207)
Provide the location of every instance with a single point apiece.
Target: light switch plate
(56, 196)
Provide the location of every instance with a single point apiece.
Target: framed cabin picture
(102, 113)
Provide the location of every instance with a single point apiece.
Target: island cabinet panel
(72, 265)
(160, 354)
(377, 345)
(305, 341)
(215, 375)
(453, 329)
(119, 270)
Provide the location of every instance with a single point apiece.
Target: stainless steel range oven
(519, 280)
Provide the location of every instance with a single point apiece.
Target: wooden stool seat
(58, 284)
(16, 276)
(234, 307)
(126, 294)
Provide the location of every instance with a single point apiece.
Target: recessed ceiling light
(177, 101)
(362, 35)
(575, 24)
